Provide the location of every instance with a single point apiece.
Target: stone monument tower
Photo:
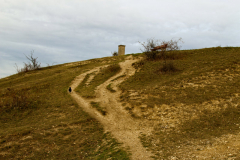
(121, 50)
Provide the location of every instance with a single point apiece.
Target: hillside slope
(191, 113)
(40, 120)
(195, 111)
(115, 119)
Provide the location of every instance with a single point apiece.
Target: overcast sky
(61, 31)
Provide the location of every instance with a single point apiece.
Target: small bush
(32, 65)
(15, 100)
(160, 53)
(138, 64)
(168, 67)
(115, 53)
(147, 46)
(112, 68)
(151, 55)
(97, 106)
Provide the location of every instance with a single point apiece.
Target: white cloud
(70, 30)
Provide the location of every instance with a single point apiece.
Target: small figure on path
(70, 89)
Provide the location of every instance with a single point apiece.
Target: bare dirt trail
(117, 121)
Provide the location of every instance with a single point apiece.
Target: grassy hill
(46, 123)
(194, 110)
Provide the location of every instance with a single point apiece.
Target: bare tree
(147, 46)
(173, 44)
(32, 65)
(158, 49)
(152, 47)
(33, 62)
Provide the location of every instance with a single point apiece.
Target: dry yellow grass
(40, 120)
(193, 112)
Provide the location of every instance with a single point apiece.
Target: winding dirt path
(117, 121)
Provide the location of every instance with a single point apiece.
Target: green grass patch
(100, 78)
(113, 152)
(124, 75)
(100, 109)
(110, 88)
(203, 75)
(196, 67)
(40, 120)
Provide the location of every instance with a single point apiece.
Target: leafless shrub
(33, 62)
(162, 50)
(18, 70)
(147, 46)
(115, 53)
(152, 48)
(32, 65)
(173, 44)
(48, 65)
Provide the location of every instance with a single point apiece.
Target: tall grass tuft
(168, 67)
(100, 109)
(110, 88)
(112, 68)
(16, 100)
(138, 64)
(151, 55)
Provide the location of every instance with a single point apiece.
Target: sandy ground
(117, 121)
